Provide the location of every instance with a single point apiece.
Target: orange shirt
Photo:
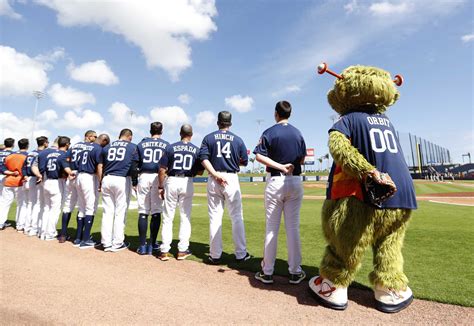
(14, 162)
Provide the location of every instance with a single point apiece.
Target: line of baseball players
(161, 175)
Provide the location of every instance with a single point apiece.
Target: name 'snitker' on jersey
(159, 144)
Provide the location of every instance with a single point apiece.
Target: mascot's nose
(323, 67)
(398, 80)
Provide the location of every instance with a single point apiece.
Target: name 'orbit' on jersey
(52, 162)
(376, 139)
(86, 156)
(225, 150)
(182, 159)
(284, 144)
(118, 156)
(150, 151)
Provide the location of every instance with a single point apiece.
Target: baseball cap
(224, 117)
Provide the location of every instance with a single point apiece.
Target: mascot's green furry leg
(350, 227)
(390, 226)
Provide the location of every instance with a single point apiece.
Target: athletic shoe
(46, 238)
(108, 249)
(327, 294)
(32, 233)
(182, 255)
(62, 239)
(245, 258)
(142, 250)
(87, 244)
(19, 230)
(267, 279)
(164, 256)
(4, 225)
(297, 278)
(123, 246)
(149, 249)
(26, 231)
(390, 301)
(213, 261)
(76, 243)
(156, 246)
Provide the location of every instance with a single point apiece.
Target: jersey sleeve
(204, 153)
(263, 145)
(343, 125)
(165, 158)
(244, 158)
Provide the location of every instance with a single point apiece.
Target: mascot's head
(362, 88)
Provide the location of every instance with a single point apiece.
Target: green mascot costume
(364, 143)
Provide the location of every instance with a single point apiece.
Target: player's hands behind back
(220, 179)
(288, 168)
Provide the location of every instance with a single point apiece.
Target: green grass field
(438, 256)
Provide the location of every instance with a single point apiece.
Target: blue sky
(107, 65)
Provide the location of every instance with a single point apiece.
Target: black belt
(281, 174)
(227, 172)
(179, 175)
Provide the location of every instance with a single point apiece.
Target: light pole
(38, 95)
(259, 122)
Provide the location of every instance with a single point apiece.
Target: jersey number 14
(223, 150)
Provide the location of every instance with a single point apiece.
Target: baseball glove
(379, 187)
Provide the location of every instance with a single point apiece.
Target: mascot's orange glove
(379, 187)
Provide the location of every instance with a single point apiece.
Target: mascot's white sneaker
(327, 294)
(389, 300)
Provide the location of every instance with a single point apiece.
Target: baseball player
(52, 167)
(221, 153)
(13, 169)
(35, 190)
(88, 174)
(180, 162)
(150, 151)
(282, 149)
(120, 159)
(8, 144)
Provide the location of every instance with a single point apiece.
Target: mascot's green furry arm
(361, 141)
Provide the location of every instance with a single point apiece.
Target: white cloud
(240, 103)
(163, 30)
(467, 38)
(51, 57)
(7, 10)
(387, 8)
(287, 90)
(69, 97)
(205, 119)
(172, 117)
(20, 127)
(351, 6)
(84, 120)
(184, 99)
(47, 116)
(123, 115)
(20, 74)
(93, 72)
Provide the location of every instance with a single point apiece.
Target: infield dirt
(51, 283)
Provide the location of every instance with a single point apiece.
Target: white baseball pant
(115, 200)
(283, 194)
(53, 193)
(70, 195)
(87, 193)
(179, 191)
(35, 206)
(21, 206)
(217, 197)
(148, 196)
(6, 200)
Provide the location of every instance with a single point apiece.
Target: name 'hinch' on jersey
(224, 136)
(185, 148)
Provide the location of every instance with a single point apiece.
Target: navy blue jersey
(89, 155)
(150, 151)
(182, 159)
(284, 144)
(3, 155)
(73, 154)
(225, 150)
(375, 138)
(29, 162)
(118, 157)
(52, 163)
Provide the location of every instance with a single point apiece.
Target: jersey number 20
(182, 162)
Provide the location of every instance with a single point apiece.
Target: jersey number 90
(116, 154)
(151, 155)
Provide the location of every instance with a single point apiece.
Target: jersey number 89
(116, 154)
